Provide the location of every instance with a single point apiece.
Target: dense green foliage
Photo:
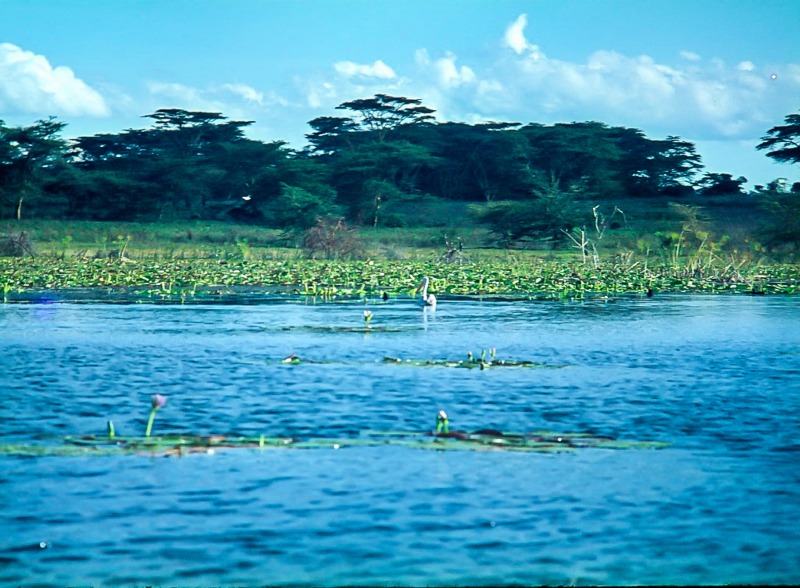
(386, 164)
(200, 165)
(784, 140)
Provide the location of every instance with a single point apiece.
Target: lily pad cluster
(203, 279)
(440, 439)
(481, 362)
(184, 445)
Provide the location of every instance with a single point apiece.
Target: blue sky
(719, 73)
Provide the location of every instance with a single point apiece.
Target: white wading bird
(427, 299)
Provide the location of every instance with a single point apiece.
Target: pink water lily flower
(156, 402)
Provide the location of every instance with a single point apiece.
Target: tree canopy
(784, 140)
(381, 157)
(30, 159)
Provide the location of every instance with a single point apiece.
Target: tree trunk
(19, 207)
(375, 211)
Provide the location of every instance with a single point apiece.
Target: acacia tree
(716, 184)
(331, 134)
(370, 177)
(576, 157)
(482, 162)
(784, 207)
(189, 164)
(28, 155)
(372, 120)
(783, 140)
(382, 113)
(675, 163)
(371, 159)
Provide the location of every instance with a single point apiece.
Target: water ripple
(716, 377)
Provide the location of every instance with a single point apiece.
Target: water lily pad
(468, 363)
(342, 329)
(179, 445)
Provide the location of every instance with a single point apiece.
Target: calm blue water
(718, 377)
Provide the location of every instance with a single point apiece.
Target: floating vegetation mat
(468, 363)
(179, 445)
(340, 329)
(247, 281)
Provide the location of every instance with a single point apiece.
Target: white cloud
(515, 34)
(320, 94)
(447, 73)
(377, 70)
(233, 100)
(489, 87)
(515, 39)
(792, 73)
(246, 92)
(240, 102)
(182, 96)
(691, 97)
(353, 81)
(30, 84)
(711, 99)
(450, 74)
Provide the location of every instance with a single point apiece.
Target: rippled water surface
(716, 377)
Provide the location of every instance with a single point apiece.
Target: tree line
(368, 165)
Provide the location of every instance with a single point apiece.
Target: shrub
(18, 245)
(331, 239)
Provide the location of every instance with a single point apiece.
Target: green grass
(644, 225)
(146, 240)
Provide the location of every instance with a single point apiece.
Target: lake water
(717, 377)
